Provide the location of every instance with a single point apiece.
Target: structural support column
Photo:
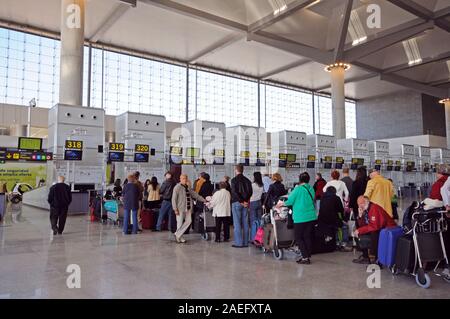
(337, 71)
(446, 103)
(72, 52)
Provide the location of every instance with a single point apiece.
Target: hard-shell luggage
(147, 219)
(387, 245)
(405, 255)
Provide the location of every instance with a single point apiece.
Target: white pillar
(72, 46)
(338, 101)
(446, 103)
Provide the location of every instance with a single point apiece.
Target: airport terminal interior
(93, 91)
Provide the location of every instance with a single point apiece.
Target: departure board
(30, 143)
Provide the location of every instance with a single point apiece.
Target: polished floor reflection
(33, 264)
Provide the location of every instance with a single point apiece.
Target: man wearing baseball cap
(379, 191)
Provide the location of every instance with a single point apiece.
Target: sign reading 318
(74, 145)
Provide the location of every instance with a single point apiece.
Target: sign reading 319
(142, 148)
(117, 147)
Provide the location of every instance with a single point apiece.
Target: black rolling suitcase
(405, 255)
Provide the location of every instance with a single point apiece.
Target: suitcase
(430, 247)
(405, 255)
(387, 245)
(147, 219)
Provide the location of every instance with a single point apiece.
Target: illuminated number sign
(390, 162)
(261, 155)
(311, 158)
(328, 159)
(282, 157)
(28, 143)
(378, 162)
(219, 153)
(192, 152)
(412, 164)
(175, 150)
(74, 145)
(141, 148)
(117, 147)
(398, 163)
(340, 160)
(291, 158)
(245, 154)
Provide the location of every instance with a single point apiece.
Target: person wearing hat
(379, 191)
(442, 176)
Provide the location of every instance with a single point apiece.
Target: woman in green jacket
(304, 214)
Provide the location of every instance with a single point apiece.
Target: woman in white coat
(341, 188)
(221, 205)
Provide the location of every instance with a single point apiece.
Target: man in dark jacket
(241, 191)
(166, 192)
(131, 201)
(59, 198)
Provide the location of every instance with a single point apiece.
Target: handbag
(364, 241)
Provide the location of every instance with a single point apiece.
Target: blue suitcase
(387, 245)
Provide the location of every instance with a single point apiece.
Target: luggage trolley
(429, 246)
(205, 223)
(114, 211)
(277, 236)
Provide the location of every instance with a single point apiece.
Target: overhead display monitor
(291, 158)
(30, 143)
(310, 165)
(116, 156)
(141, 148)
(176, 150)
(74, 145)
(327, 165)
(192, 152)
(141, 157)
(117, 147)
(73, 155)
(219, 153)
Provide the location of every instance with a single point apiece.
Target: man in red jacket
(442, 173)
(372, 219)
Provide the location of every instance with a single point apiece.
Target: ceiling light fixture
(332, 66)
(278, 6)
(356, 29)
(412, 51)
(444, 101)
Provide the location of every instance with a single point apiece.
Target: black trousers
(303, 237)
(374, 237)
(225, 221)
(58, 218)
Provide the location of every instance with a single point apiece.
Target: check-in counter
(80, 203)
(2, 205)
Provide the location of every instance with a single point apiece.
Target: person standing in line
(318, 189)
(166, 192)
(347, 179)
(267, 181)
(145, 198)
(341, 189)
(255, 204)
(117, 190)
(131, 204)
(379, 191)
(226, 180)
(221, 205)
(154, 197)
(183, 203)
(358, 189)
(141, 196)
(276, 190)
(241, 192)
(59, 198)
(304, 215)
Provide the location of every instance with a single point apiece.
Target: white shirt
(221, 203)
(257, 192)
(341, 189)
(445, 192)
(266, 181)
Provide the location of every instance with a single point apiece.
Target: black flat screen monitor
(116, 156)
(141, 157)
(338, 166)
(84, 187)
(310, 164)
(327, 165)
(72, 155)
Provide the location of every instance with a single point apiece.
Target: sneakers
(180, 240)
(304, 261)
(362, 260)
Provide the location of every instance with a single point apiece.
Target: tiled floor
(33, 265)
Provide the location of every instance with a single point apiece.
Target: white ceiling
(165, 32)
